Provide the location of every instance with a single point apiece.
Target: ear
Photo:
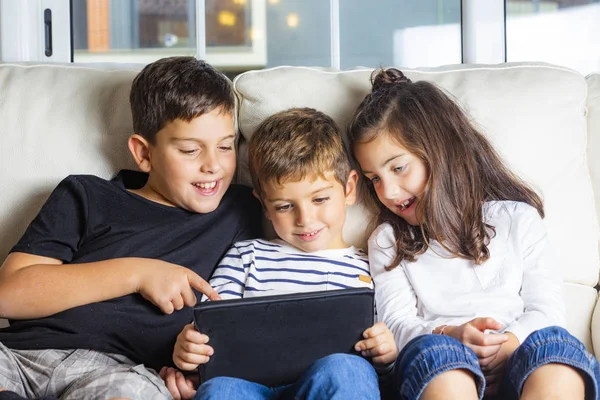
(262, 204)
(140, 150)
(351, 187)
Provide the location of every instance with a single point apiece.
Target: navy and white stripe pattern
(254, 268)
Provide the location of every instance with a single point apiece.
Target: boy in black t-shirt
(96, 289)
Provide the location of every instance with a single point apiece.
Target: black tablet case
(271, 340)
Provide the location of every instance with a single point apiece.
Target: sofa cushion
(56, 121)
(593, 150)
(534, 114)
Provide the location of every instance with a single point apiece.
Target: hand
(495, 369)
(191, 349)
(471, 334)
(379, 343)
(179, 386)
(169, 286)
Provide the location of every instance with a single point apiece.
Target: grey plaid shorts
(77, 374)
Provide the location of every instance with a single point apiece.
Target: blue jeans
(338, 376)
(427, 356)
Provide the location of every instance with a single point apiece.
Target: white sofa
(57, 120)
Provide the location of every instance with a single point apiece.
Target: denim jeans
(427, 356)
(338, 376)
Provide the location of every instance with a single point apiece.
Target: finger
(196, 349)
(484, 323)
(202, 286)
(369, 343)
(171, 384)
(190, 361)
(177, 302)
(187, 366)
(479, 338)
(189, 298)
(193, 337)
(186, 389)
(485, 362)
(483, 352)
(376, 351)
(166, 307)
(163, 373)
(378, 329)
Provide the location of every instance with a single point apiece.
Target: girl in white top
(464, 274)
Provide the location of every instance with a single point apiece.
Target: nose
(210, 162)
(388, 190)
(303, 216)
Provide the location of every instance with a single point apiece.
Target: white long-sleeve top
(520, 285)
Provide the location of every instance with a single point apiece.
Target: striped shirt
(254, 268)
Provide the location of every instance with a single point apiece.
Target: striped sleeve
(230, 276)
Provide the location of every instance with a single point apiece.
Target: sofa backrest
(56, 121)
(593, 148)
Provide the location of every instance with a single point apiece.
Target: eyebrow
(311, 193)
(385, 162)
(196, 140)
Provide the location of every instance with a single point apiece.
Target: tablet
(271, 340)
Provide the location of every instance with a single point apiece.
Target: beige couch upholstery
(543, 119)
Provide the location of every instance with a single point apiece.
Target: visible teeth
(404, 204)
(209, 185)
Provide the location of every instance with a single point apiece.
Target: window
(402, 33)
(146, 30)
(563, 32)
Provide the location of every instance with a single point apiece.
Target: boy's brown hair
(176, 88)
(294, 144)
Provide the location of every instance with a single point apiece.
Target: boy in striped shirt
(303, 177)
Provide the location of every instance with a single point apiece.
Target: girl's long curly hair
(464, 170)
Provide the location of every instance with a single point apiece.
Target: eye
(373, 180)
(283, 208)
(225, 148)
(188, 151)
(400, 168)
(320, 200)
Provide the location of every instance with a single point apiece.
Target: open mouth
(309, 236)
(405, 205)
(206, 188)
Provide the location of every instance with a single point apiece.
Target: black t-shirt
(89, 219)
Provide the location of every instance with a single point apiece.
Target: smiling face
(309, 214)
(190, 164)
(398, 176)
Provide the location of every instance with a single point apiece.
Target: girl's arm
(394, 296)
(542, 285)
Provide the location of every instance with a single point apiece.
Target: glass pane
(298, 33)
(563, 32)
(404, 33)
(133, 30)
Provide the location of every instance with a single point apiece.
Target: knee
(554, 338)
(345, 366)
(341, 370)
(427, 357)
(216, 388)
(436, 349)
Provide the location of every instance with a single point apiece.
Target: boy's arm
(34, 286)
(231, 275)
